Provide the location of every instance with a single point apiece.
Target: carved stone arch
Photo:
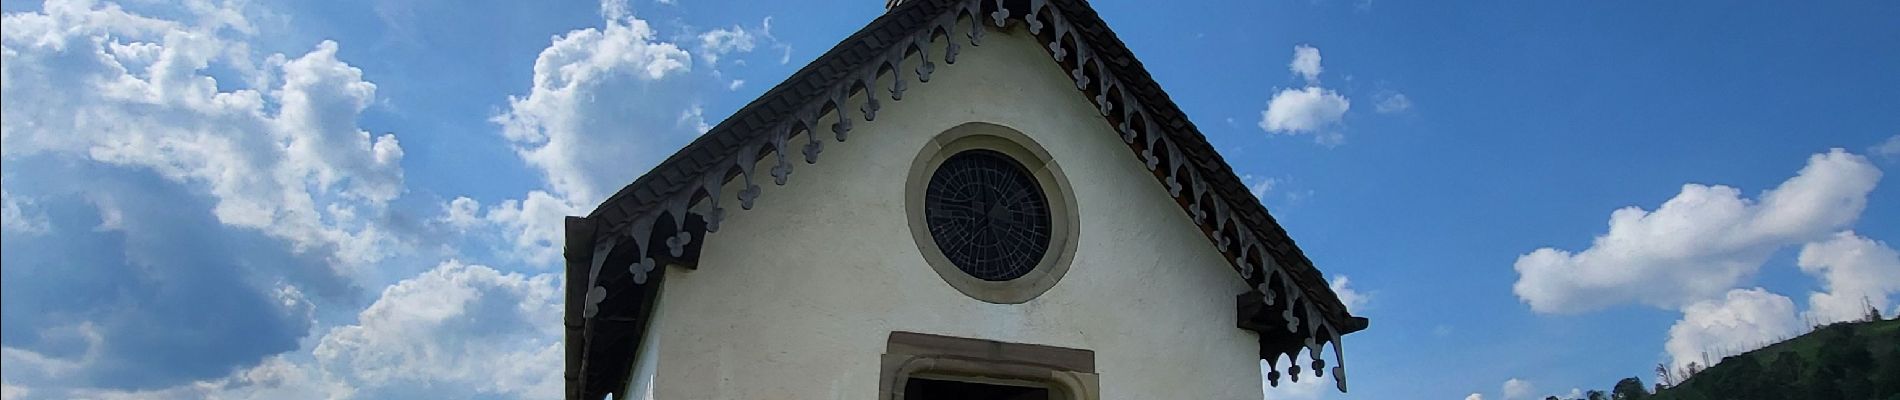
(972, 14)
(707, 197)
(1205, 204)
(1180, 181)
(1294, 315)
(747, 158)
(804, 127)
(1087, 74)
(640, 234)
(997, 13)
(1229, 233)
(834, 106)
(1063, 47)
(1135, 128)
(1322, 338)
(921, 49)
(1252, 262)
(666, 225)
(781, 166)
(888, 67)
(865, 85)
(1040, 18)
(1109, 100)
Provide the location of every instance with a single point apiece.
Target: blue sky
(319, 199)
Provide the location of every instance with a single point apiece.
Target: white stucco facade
(795, 298)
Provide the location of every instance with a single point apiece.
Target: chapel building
(966, 199)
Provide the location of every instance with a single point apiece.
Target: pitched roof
(607, 311)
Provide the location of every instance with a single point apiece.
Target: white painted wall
(795, 298)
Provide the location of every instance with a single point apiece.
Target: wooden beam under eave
(578, 252)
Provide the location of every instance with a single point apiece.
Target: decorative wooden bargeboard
(617, 253)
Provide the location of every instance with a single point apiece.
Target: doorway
(934, 389)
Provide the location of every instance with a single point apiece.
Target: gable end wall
(795, 298)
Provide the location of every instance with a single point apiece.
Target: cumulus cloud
(535, 225)
(1306, 63)
(229, 195)
(194, 209)
(123, 89)
(1311, 109)
(149, 271)
(598, 111)
(1698, 244)
(1303, 110)
(1856, 271)
(1518, 389)
(460, 213)
(606, 105)
(447, 330)
(1742, 320)
(1475, 396)
(439, 334)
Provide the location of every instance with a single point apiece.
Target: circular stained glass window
(988, 215)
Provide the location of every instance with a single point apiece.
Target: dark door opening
(933, 389)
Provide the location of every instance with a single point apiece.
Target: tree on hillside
(1630, 388)
(1664, 377)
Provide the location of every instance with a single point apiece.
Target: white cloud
(1743, 320)
(1474, 396)
(1306, 63)
(18, 216)
(287, 160)
(275, 378)
(10, 392)
(735, 84)
(1698, 244)
(438, 334)
(1518, 389)
(1857, 272)
(717, 42)
(1392, 103)
(1260, 186)
(1889, 148)
(1352, 298)
(597, 114)
(1303, 110)
(535, 225)
(695, 117)
(460, 213)
(453, 326)
(1311, 109)
(617, 9)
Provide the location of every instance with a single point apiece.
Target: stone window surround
(1067, 373)
(1064, 227)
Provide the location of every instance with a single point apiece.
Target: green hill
(1844, 361)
